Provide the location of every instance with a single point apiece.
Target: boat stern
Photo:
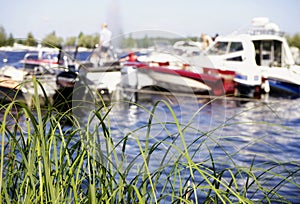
(248, 84)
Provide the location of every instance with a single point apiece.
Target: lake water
(14, 57)
(262, 133)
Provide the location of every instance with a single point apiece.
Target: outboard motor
(129, 82)
(63, 96)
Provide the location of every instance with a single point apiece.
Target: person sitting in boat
(131, 57)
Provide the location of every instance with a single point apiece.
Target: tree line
(90, 41)
(50, 40)
(82, 40)
(294, 40)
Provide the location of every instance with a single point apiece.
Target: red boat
(142, 76)
(227, 78)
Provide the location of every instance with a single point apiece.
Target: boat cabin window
(268, 53)
(235, 47)
(225, 47)
(219, 48)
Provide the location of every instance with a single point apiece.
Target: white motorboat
(18, 84)
(261, 61)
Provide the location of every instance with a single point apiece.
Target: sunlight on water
(266, 133)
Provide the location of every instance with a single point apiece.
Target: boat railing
(266, 32)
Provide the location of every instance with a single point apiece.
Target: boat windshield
(225, 47)
(219, 48)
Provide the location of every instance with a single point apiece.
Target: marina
(252, 65)
(225, 117)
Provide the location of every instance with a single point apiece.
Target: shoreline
(23, 48)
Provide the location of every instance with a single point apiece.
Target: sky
(182, 18)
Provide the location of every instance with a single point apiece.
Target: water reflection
(260, 129)
(265, 134)
(255, 133)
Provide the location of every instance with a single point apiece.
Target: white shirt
(105, 37)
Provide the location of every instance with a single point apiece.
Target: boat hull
(273, 87)
(284, 89)
(227, 77)
(184, 81)
(8, 95)
(248, 91)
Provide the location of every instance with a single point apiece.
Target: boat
(16, 83)
(17, 80)
(33, 60)
(56, 73)
(139, 78)
(255, 64)
(9, 85)
(223, 59)
(188, 48)
(52, 59)
(151, 73)
(165, 67)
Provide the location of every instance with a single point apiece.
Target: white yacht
(261, 61)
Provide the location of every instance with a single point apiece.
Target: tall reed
(46, 160)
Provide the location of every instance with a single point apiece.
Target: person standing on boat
(206, 40)
(104, 41)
